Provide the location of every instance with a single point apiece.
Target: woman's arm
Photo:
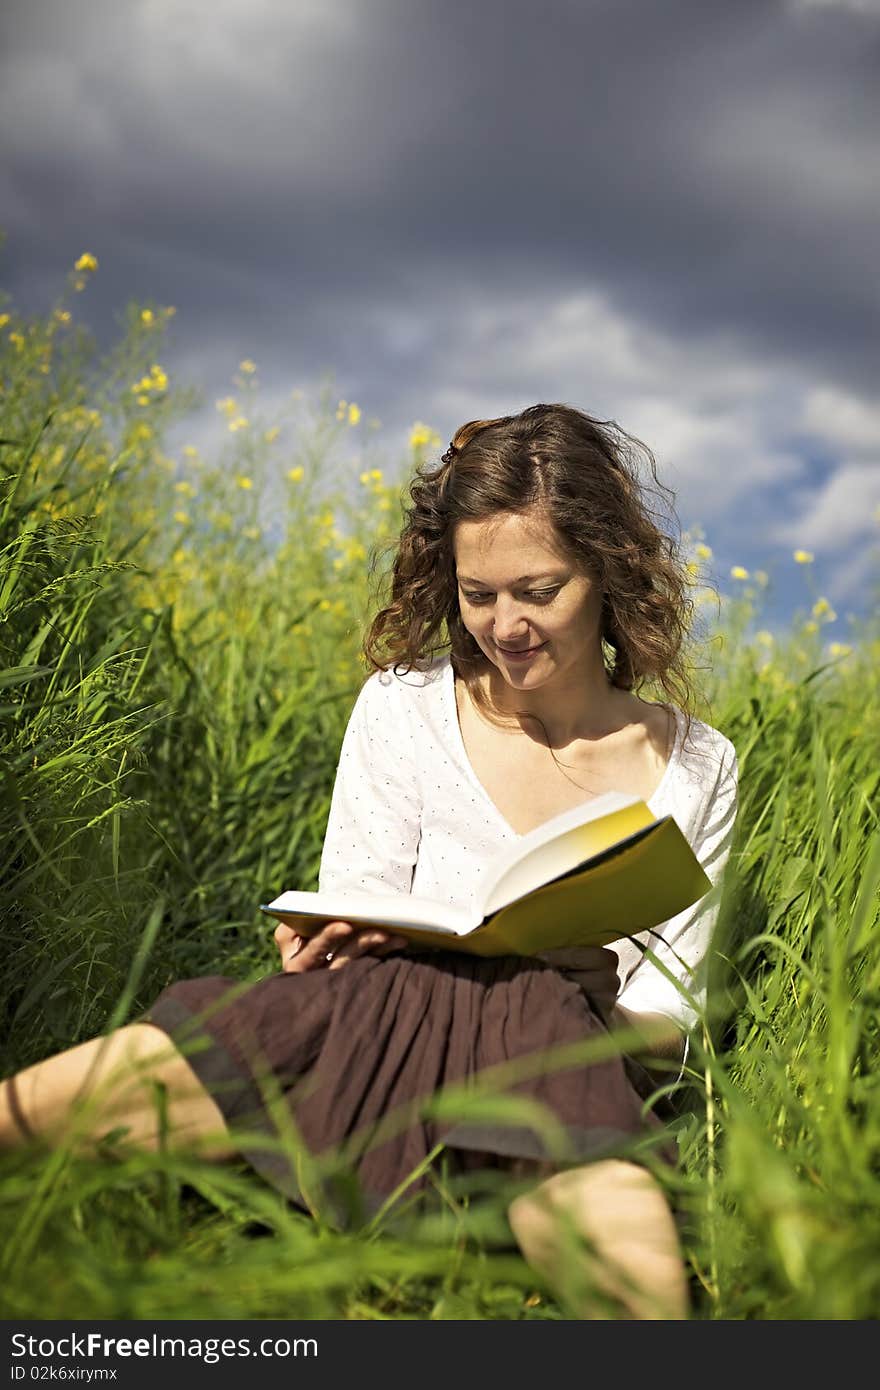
(372, 835)
(594, 969)
(660, 1036)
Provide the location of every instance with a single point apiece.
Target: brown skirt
(330, 1078)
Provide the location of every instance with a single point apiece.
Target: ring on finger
(328, 956)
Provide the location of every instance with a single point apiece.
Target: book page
(563, 843)
(375, 909)
(630, 889)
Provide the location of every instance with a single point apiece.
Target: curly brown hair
(584, 474)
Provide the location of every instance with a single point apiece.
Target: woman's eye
(476, 598)
(542, 595)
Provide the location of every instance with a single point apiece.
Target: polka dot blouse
(409, 815)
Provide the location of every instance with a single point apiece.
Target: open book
(603, 870)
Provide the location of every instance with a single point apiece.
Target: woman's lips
(520, 655)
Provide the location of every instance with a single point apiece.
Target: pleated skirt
(341, 1086)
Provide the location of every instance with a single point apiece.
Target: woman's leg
(604, 1237)
(134, 1079)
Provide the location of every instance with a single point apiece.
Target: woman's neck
(582, 705)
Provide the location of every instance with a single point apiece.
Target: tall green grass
(179, 644)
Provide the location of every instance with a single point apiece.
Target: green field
(180, 650)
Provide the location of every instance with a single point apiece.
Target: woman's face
(534, 613)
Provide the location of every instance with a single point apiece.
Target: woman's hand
(594, 968)
(333, 946)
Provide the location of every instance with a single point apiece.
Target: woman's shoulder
(405, 691)
(705, 753)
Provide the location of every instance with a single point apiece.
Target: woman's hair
(584, 475)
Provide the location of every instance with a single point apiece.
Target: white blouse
(409, 815)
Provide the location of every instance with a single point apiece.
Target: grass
(179, 642)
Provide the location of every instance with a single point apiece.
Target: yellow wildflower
(384, 504)
(247, 366)
(822, 609)
(251, 533)
(354, 414)
(147, 317)
(143, 431)
(61, 315)
(190, 451)
(703, 552)
(239, 423)
(228, 406)
(169, 311)
(804, 557)
(182, 518)
(737, 572)
(692, 569)
(185, 488)
(143, 400)
(376, 475)
(839, 649)
(341, 409)
(17, 341)
(811, 627)
(158, 377)
(764, 638)
(339, 563)
(244, 483)
(86, 262)
(325, 605)
(296, 474)
(422, 435)
(4, 319)
(272, 434)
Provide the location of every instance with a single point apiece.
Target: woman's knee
(134, 1078)
(599, 1195)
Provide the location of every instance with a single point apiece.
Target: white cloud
(843, 421)
(716, 418)
(843, 510)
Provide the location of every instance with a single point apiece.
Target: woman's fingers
(368, 942)
(287, 940)
(332, 946)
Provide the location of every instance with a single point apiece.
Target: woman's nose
(510, 623)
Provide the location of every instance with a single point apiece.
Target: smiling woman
(592, 492)
(553, 612)
(532, 596)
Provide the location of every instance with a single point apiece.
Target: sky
(664, 212)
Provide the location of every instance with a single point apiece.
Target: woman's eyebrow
(523, 579)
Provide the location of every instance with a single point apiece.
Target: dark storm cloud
(703, 162)
(670, 208)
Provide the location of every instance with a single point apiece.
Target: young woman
(533, 595)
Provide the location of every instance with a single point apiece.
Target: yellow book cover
(603, 870)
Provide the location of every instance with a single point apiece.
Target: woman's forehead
(508, 538)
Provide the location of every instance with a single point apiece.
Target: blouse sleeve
(372, 835)
(682, 943)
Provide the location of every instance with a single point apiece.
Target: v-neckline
(449, 691)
